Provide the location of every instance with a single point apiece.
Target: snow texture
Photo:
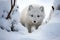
(56, 4)
(49, 31)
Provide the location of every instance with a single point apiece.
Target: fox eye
(38, 16)
(31, 15)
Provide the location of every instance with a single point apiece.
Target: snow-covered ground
(49, 31)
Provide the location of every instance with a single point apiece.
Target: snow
(4, 8)
(56, 3)
(49, 31)
(5, 24)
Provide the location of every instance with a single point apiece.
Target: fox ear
(42, 8)
(30, 7)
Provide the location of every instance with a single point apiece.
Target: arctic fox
(32, 16)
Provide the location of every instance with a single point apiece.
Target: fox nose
(34, 21)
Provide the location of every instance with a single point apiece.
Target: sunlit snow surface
(49, 31)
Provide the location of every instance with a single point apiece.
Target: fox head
(35, 14)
